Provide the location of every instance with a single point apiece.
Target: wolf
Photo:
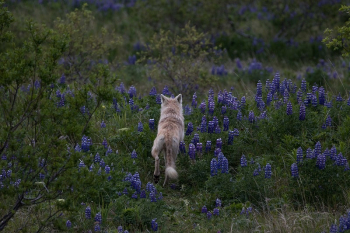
(170, 134)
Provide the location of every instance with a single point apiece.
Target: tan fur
(170, 133)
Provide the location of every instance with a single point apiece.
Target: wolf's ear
(163, 98)
(179, 98)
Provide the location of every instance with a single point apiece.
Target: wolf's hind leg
(156, 149)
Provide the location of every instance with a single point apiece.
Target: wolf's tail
(171, 173)
(172, 148)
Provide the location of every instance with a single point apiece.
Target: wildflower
(182, 147)
(213, 167)
(209, 215)
(204, 209)
(217, 151)
(140, 127)
(120, 229)
(134, 195)
(302, 112)
(285, 95)
(239, 116)
(339, 98)
(211, 107)
(166, 91)
(303, 85)
(243, 101)
(223, 110)
(104, 143)
(244, 162)
(216, 212)
(195, 139)
(98, 218)
(151, 124)
(251, 117)
(294, 170)
(211, 127)
(189, 128)
(154, 225)
(192, 151)
(289, 108)
(103, 124)
(158, 99)
(97, 227)
(203, 126)
(256, 172)
(226, 123)
(318, 149)
(202, 107)
(109, 151)
(309, 153)
(321, 96)
(133, 154)
(88, 212)
(153, 91)
(230, 137)
(321, 161)
(81, 164)
(143, 194)
(107, 169)
(268, 171)
(224, 168)
(329, 121)
(218, 202)
(299, 155)
(208, 146)
(68, 224)
(217, 130)
(194, 101)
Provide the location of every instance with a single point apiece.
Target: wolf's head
(172, 103)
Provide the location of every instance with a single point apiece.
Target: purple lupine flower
(268, 171)
(251, 117)
(199, 147)
(318, 149)
(269, 98)
(276, 81)
(143, 194)
(309, 153)
(285, 95)
(109, 151)
(189, 128)
(223, 110)
(195, 138)
(68, 224)
(133, 154)
(204, 209)
(216, 212)
(230, 137)
(348, 103)
(81, 164)
(339, 98)
(209, 215)
(192, 151)
(202, 107)
(134, 195)
(213, 167)
(302, 112)
(244, 162)
(182, 147)
(289, 108)
(211, 127)
(107, 169)
(294, 170)
(166, 91)
(243, 101)
(203, 126)
(239, 116)
(153, 91)
(211, 107)
(152, 196)
(102, 163)
(303, 85)
(85, 143)
(333, 229)
(154, 225)
(217, 202)
(88, 212)
(333, 152)
(314, 100)
(224, 166)
(103, 124)
(321, 96)
(256, 172)
(259, 88)
(219, 143)
(158, 99)
(226, 123)
(151, 124)
(132, 92)
(105, 143)
(217, 129)
(321, 161)
(299, 155)
(97, 228)
(120, 229)
(98, 218)
(97, 158)
(208, 146)
(329, 121)
(194, 100)
(140, 127)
